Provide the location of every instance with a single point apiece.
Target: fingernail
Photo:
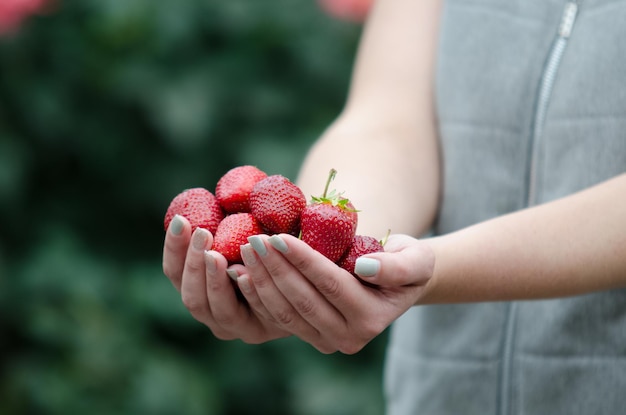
(176, 226)
(209, 261)
(278, 243)
(198, 240)
(244, 284)
(232, 274)
(366, 267)
(258, 245)
(247, 254)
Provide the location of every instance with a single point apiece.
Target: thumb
(406, 261)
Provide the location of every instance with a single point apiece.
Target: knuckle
(306, 307)
(304, 265)
(260, 281)
(331, 288)
(275, 269)
(285, 317)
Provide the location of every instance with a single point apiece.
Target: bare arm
(571, 246)
(384, 143)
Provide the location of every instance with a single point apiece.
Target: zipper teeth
(545, 91)
(549, 75)
(542, 106)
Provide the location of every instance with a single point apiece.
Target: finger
(246, 287)
(304, 296)
(338, 287)
(244, 281)
(281, 310)
(175, 249)
(230, 317)
(332, 300)
(193, 285)
(406, 261)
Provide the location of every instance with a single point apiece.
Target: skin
(542, 252)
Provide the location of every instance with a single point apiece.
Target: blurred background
(108, 109)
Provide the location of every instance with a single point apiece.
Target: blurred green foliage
(108, 109)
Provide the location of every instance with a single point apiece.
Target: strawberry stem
(331, 177)
(384, 240)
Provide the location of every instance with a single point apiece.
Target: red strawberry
(328, 223)
(199, 206)
(233, 188)
(277, 203)
(233, 232)
(361, 245)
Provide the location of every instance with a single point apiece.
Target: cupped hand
(199, 274)
(288, 282)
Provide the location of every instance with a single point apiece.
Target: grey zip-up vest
(531, 100)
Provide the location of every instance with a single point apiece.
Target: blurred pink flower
(14, 12)
(350, 10)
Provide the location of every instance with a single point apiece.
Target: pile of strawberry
(249, 202)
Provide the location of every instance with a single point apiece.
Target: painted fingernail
(176, 226)
(244, 284)
(209, 262)
(198, 240)
(366, 267)
(258, 245)
(247, 254)
(232, 274)
(278, 243)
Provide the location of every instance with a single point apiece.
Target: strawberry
(328, 223)
(360, 245)
(233, 232)
(199, 206)
(233, 188)
(277, 203)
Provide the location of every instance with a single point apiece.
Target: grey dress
(531, 100)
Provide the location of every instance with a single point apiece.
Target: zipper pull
(567, 21)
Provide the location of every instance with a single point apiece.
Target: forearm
(384, 144)
(385, 185)
(571, 246)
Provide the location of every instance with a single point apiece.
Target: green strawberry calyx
(333, 198)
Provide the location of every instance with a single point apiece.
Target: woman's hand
(288, 282)
(208, 293)
(292, 289)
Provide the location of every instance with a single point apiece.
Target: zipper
(545, 92)
(550, 70)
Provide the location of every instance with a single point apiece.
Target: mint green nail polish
(366, 267)
(244, 284)
(232, 274)
(176, 226)
(278, 243)
(247, 254)
(198, 239)
(258, 245)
